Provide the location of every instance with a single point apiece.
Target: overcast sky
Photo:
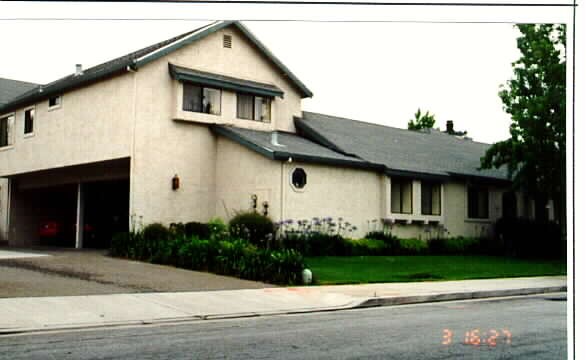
(446, 60)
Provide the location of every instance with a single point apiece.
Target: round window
(299, 178)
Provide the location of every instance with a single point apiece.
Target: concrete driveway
(68, 272)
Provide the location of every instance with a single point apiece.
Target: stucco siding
(242, 61)
(354, 195)
(242, 173)
(92, 124)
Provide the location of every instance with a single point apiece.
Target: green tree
(536, 100)
(426, 121)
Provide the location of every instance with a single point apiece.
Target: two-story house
(209, 123)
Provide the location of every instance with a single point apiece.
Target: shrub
(455, 246)
(253, 227)
(411, 247)
(217, 226)
(525, 237)
(197, 229)
(368, 247)
(155, 239)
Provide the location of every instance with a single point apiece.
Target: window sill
(7, 147)
(480, 221)
(29, 135)
(53, 108)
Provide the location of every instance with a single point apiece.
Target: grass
(369, 269)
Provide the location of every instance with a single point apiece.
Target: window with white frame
(29, 121)
(252, 107)
(477, 202)
(55, 102)
(401, 196)
(201, 99)
(431, 198)
(6, 130)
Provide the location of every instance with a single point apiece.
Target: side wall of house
(164, 147)
(92, 124)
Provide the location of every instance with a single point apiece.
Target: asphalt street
(505, 328)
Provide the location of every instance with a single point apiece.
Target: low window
(251, 107)
(29, 121)
(6, 126)
(431, 198)
(201, 99)
(477, 202)
(401, 196)
(54, 101)
(299, 178)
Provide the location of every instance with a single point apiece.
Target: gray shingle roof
(295, 147)
(141, 57)
(399, 150)
(10, 89)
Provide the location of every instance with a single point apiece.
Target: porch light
(265, 206)
(175, 182)
(253, 201)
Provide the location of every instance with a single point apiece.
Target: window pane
(192, 98)
(395, 196)
(436, 199)
(483, 204)
(29, 117)
(477, 203)
(266, 110)
(426, 198)
(406, 199)
(212, 101)
(245, 106)
(4, 131)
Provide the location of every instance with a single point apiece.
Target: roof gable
(10, 89)
(140, 58)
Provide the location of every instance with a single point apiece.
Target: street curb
(358, 304)
(484, 294)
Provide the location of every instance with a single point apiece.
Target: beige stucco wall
(163, 147)
(242, 61)
(91, 125)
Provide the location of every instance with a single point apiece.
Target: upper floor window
(201, 99)
(29, 121)
(6, 126)
(55, 102)
(477, 202)
(431, 198)
(401, 196)
(251, 107)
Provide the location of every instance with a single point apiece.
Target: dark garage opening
(57, 212)
(106, 207)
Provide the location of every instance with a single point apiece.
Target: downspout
(282, 191)
(132, 151)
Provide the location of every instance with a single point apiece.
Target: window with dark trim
(29, 121)
(401, 196)
(6, 124)
(299, 178)
(201, 99)
(54, 101)
(477, 202)
(431, 198)
(251, 107)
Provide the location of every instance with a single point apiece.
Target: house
(208, 123)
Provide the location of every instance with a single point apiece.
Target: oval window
(299, 178)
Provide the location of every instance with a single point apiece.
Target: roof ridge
(392, 127)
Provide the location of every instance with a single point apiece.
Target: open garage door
(77, 206)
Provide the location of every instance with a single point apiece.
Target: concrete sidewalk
(19, 315)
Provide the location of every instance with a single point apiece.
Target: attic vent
(228, 41)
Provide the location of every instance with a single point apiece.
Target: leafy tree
(426, 121)
(536, 99)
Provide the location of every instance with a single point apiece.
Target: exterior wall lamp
(265, 206)
(175, 182)
(253, 201)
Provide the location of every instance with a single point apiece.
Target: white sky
(374, 72)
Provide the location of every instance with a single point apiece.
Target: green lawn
(369, 269)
